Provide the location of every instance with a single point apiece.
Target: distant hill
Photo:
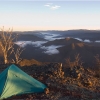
(65, 41)
(29, 37)
(70, 49)
(92, 35)
(86, 52)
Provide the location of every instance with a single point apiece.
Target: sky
(30, 15)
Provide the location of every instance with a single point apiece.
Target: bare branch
(76, 62)
(17, 54)
(6, 43)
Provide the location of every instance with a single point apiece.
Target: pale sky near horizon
(30, 15)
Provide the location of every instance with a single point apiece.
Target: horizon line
(52, 30)
(57, 30)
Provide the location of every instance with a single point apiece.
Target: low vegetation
(64, 83)
(77, 61)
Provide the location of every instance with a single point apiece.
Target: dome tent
(14, 81)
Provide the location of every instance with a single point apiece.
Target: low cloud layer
(52, 37)
(79, 39)
(33, 43)
(86, 40)
(98, 41)
(50, 50)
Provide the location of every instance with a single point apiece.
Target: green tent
(13, 81)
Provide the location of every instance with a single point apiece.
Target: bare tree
(17, 55)
(76, 62)
(7, 46)
(6, 43)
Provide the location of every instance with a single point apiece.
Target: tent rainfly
(14, 81)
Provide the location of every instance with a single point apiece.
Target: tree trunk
(5, 59)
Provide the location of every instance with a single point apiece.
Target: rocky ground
(64, 83)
